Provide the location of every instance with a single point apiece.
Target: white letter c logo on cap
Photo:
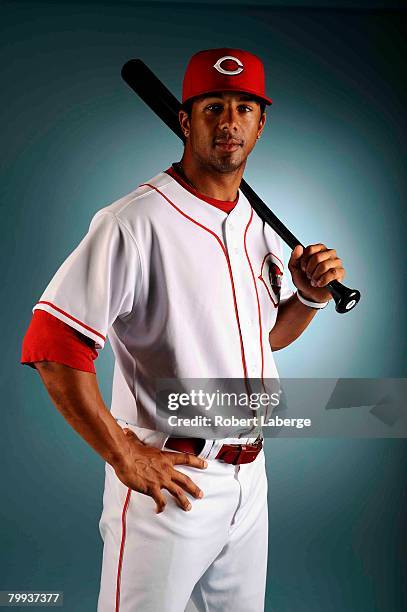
(218, 65)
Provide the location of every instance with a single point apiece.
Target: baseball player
(187, 282)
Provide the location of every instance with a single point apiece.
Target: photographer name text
(231, 421)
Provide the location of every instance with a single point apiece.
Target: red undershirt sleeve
(50, 339)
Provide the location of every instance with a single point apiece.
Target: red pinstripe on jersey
(120, 563)
(224, 251)
(257, 298)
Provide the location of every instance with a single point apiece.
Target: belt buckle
(245, 453)
(258, 443)
(250, 450)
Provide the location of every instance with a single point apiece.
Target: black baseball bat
(159, 98)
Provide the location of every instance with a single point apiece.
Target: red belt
(229, 453)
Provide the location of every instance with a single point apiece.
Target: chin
(227, 163)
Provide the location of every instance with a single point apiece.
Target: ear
(185, 123)
(262, 123)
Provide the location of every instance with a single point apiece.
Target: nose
(229, 119)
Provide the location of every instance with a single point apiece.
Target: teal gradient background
(331, 165)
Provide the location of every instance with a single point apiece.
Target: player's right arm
(142, 468)
(96, 285)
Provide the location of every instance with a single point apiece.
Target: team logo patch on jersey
(271, 276)
(228, 64)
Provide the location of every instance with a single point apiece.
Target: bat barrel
(153, 93)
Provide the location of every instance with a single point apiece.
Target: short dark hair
(187, 106)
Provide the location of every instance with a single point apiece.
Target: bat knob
(345, 299)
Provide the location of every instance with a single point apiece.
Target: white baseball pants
(215, 554)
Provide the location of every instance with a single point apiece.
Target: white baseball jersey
(182, 289)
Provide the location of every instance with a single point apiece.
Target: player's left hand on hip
(313, 268)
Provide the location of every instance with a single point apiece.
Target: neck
(218, 185)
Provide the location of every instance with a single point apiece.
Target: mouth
(228, 145)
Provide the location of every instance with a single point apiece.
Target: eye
(245, 108)
(215, 107)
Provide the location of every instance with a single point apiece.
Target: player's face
(223, 129)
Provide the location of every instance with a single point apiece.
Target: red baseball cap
(216, 70)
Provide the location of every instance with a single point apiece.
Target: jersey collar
(193, 206)
(226, 206)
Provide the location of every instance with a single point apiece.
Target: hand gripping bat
(156, 95)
